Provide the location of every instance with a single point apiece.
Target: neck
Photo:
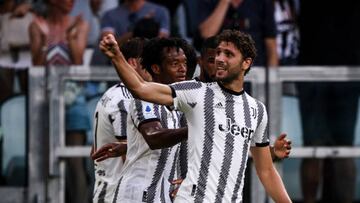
(236, 85)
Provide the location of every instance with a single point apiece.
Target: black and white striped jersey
(147, 173)
(110, 120)
(222, 125)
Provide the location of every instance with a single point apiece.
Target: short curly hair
(241, 40)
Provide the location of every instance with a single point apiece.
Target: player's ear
(155, 69)
(247, 63)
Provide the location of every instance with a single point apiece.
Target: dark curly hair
(241, 40)
(133, 47)
(153, 51)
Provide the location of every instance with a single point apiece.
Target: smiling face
(173, 65)
(230, 64)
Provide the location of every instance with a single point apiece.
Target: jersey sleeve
(185, 94)
(141, 112)
(261, 137)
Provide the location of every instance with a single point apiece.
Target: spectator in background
(255, 17)
(172, 7)
(88, 10)
(121, 20)
(15, 18)
(60, 40)
(329, 109)
(146, 28)
(288, 37)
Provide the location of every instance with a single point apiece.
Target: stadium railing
(46, 107)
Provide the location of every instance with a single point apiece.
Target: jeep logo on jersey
(235, 130)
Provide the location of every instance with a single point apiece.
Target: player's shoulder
(114, 95)
(118, 91)
(188, 85)
(254, 101)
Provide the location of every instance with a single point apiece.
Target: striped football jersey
(110, 120)
(147, 174)
(222, 125)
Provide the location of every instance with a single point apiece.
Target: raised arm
(147, 91)
(158, 137)
(212, 24)
(268, 174)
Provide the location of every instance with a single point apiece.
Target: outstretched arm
(158, 137)
(148, 91)
(268, 175)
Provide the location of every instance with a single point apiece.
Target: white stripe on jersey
(221, 125)
(147, 173)
(110, 120)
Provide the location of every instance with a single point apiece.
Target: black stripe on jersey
(173, 170)
(183, 158)
(117, 191)
(207, 145)
(183, 122)
(246, 109)
(183, 149)
(126, 92)
(162, 196)
(101, 198)
(151, 190)
(139, 110)
(244, 152)
(241, 173)
(123, 116)
(164, 119)
(261, 116)
(228, 151)
(187, 85)
(173, 167)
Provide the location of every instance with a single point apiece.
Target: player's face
(230, 64)
(174, 65)
(208, 64)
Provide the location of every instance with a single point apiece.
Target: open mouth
(181, 77)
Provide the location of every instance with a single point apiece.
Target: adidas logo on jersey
(219, 106)
(192, 104)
